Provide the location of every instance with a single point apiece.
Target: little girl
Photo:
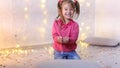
(65, 31)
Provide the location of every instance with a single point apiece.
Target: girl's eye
(65, 9)
(69, 9)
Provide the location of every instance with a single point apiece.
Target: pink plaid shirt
(71, 30)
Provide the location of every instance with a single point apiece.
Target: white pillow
(101, 41)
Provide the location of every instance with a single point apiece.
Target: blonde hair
(74, 4)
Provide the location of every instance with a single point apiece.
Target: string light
(88, 4)
(82, 24)
(18, 50)
(45, 21)
(50, 51)
(87, 27)
(80, 29)
(42, 6)
(81, 1)
(42, 32)
(83, 36)
(45, 12)
(26, 9)
(17, 45)
(42, 29)
(83, 45)
(43, 1)
(26, 16)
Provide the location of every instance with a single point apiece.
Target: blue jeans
(66, 55)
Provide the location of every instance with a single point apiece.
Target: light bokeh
(29, 22)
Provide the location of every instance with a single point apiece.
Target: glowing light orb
(88, 4)
(26, 9)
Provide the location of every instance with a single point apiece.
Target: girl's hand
(65, 39)
(59, 38)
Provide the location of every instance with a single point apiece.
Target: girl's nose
(69, 10)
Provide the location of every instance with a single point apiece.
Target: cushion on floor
(101, 41)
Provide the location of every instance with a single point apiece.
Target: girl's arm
(74, 34)
(55, 33)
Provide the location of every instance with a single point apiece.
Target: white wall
(6, 24)
(107, 19)
(29, 22)
(26, 22)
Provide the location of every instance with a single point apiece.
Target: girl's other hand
(65, 39)
(59, 39)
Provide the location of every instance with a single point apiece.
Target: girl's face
(67, 11)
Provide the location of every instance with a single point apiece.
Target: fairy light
(83, 45)
(82, 24)
(83, 36)
(88, 4)
(45, 21)
(17, 51)
(42, 32)
(42, 6)
(32, 50)
(26, 16)
(87, 27)
(42, 29)
(20, 51)
(26, 9)
(45, 12)
(80, 29)
(81, 1)
(17, 45)
(51, 50)
(84, 29)
(43, 1)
